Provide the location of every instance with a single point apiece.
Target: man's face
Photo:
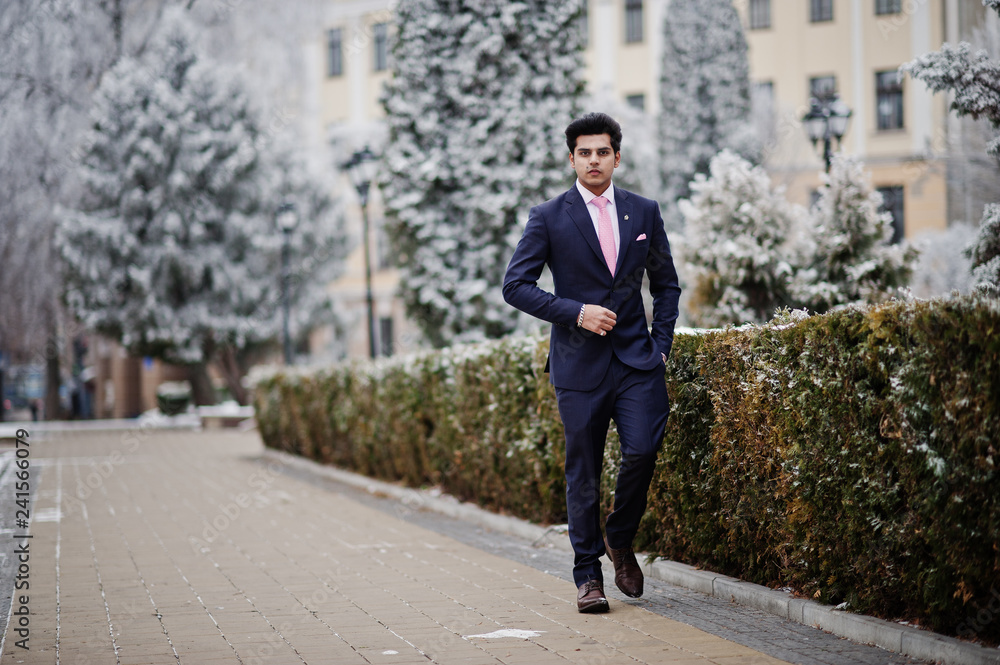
(594, 161)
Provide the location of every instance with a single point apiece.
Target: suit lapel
(577, 211)
(625, 221)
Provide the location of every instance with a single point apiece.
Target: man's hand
(598, 320)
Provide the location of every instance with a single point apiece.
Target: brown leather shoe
(590, 598)
(628, 575)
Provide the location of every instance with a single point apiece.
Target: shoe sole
(595, 608)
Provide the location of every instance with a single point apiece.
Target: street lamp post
(286, 219)
(361, 169)
(826, 120)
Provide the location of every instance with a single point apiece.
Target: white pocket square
(642, 236)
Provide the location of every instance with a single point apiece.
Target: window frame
(762, 108)
(898, 195)
(759, 14)
(636, 101)
(383, 246)
(823, 95)
(386, 331)
(892, 94)
(633, 21)
(334, 59)
(820, 11)
(380, 47)
(888, 7)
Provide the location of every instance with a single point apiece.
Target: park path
(188, 547)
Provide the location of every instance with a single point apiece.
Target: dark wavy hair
(591, 124)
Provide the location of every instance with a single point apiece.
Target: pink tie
(605, 233)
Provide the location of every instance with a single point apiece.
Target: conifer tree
(743, 243)
(173, 250)
(481, 94)
(704, 94)
(852, 257)
(972, 78)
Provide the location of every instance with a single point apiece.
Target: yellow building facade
(797, 48)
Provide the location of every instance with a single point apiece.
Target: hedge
(850, 456)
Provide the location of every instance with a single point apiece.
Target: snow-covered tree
(173, 249)
(943, 265)
(51, 56)
(742, 245)
(985, 253)
(704, 94)
(973, 174)
(972, 78)
(852, 259)
(476, 109)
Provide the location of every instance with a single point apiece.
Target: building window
(820, 10)
(888, 6)
(383, 247)
(762, 94)
(822, 87)
(636, 101)
(760, 14)
(334, 52)
(889, 99)
(385, 342)
(380, 46)
(633, 21)
(762, 110)
(892, 203)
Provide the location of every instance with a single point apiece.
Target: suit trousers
(638, 403)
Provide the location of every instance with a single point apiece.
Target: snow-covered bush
(943, 265)
(749, 252)
(743, 243)
(852, 258)
(476, 109)
(817, 453)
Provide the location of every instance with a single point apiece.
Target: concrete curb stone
(899, 638)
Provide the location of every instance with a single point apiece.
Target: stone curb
(905, 640)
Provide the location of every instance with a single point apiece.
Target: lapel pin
(626, 218)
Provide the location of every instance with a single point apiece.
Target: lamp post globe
(826, 121)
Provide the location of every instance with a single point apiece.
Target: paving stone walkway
(176, 547)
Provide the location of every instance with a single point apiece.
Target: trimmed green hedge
(851, 456)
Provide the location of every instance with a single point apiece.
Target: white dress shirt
(609, 194)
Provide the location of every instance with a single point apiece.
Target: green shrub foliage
(851, 456)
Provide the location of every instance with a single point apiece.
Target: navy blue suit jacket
(560, 233)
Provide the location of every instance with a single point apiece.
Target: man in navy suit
(604, 361)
